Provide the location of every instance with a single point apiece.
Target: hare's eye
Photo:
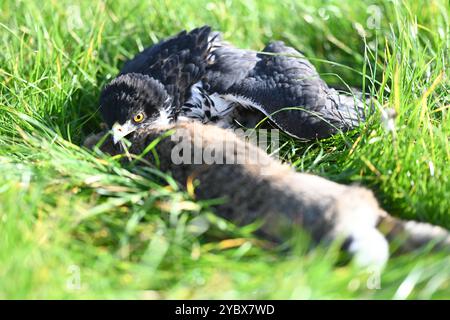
(138, 118)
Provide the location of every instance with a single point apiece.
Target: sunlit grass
(75, 224)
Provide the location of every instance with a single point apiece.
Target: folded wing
(284, 85)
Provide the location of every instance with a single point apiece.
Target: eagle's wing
(177, 62)
(280, 77)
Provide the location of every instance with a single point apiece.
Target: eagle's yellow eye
(139, 117)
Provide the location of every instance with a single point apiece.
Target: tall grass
(75, 224)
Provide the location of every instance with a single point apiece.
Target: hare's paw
(368, 247)
(356, 214)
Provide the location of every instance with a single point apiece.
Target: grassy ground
(77, 225)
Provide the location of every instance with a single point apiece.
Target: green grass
(68, 215)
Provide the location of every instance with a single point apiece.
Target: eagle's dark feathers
(279, 82)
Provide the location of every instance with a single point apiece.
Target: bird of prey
(196, 75)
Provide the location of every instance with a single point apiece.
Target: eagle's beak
(119, 131)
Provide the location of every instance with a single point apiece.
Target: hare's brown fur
(281, 197)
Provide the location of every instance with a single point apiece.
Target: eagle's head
(132, 101)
